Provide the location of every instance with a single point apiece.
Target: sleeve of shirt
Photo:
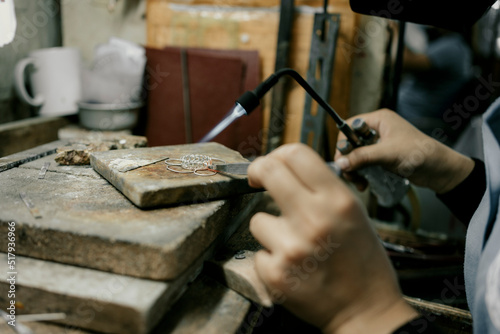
(420, 325)
(450, 54)
(464, 199)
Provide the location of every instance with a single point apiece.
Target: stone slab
(238, 273)
(207, 307)
(234, 264)
(92, 299)
(154, 186)
(87, 222)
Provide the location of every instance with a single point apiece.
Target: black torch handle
(251, 100)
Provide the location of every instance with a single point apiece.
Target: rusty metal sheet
(153, 185)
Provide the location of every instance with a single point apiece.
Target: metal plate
(319, 76)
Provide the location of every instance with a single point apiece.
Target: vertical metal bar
(319, 76)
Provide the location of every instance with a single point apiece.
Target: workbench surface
(92, 233)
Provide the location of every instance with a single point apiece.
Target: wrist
(454, 169)
(382, 319)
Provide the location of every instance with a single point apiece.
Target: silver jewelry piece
(198, 164)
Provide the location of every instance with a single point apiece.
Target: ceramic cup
(54, 78)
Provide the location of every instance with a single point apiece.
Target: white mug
(55, 80)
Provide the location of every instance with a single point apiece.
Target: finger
(376, 154)
(281, 183)
(343, 147)
(374, 119)
(307, 165)
(270, 271)
(279, 237)
(266, 229)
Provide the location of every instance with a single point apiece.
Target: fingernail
(343, 163)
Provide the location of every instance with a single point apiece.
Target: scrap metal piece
(240, 255)
(18, 327)
(43, 171)
(41, 317)
(33, 210)
(22, 158)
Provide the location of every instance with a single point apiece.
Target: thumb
(362, 157)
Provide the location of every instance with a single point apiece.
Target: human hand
(404, 150)
(322, 258)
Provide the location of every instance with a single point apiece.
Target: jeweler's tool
(241, 168)
(250, 100)
(388, 187)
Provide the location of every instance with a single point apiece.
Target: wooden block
(154, 185)
(91, 299)
(87, 222)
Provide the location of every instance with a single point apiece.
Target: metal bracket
(319, 76)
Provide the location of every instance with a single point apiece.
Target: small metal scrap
(18, 328)
(33, 210)
(41, 317)
(240, 255)
(43, 171)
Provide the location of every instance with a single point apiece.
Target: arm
(464, 199)
(323, 260)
